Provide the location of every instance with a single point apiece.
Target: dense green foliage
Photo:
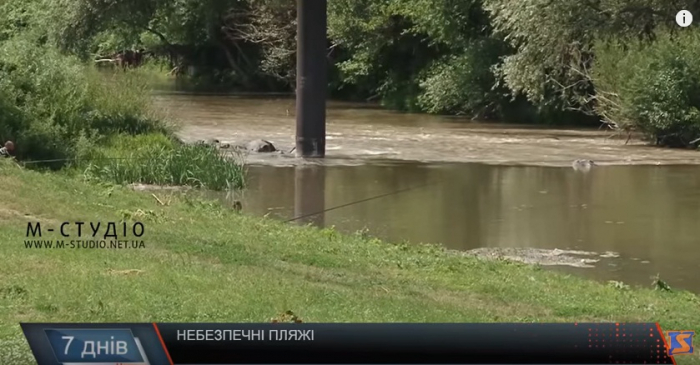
(533, 61)
(61, 112)
(156, 159)
(618, 60)
(419, 55)
(654, 87)
(54, 107)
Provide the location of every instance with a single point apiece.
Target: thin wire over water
(361, 201)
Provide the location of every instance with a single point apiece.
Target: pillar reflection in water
(310, 195)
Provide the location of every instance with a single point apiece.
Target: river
(466, 185)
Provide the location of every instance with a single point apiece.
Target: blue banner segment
(95, 343)
(116, 345)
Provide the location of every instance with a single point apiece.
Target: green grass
(156, 159)
(204, 263)
(53, 106)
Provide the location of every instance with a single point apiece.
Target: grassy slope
(202, 263)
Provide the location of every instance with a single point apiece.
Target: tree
(270, 24)
(553, 41)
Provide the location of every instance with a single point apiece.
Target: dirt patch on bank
(11, 214)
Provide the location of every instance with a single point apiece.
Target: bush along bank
(62, 113)
(56, 108)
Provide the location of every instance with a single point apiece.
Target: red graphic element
(661, 333)
(162, 343)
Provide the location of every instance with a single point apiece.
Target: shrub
(49, 102)
(654, 87)
(156, 159)
(463, 84)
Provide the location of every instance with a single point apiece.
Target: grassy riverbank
(203, 263)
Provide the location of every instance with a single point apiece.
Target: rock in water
(209, 142)
(261, 146)
(583, 165)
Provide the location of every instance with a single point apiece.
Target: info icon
(684, 18)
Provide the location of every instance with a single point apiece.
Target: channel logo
(680, 342)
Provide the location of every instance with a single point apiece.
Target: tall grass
(61, 112)
(156, 159)
(53, 106)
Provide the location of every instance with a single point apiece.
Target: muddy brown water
(466, 185)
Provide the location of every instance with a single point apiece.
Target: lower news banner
(211, 343)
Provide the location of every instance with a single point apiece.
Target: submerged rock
(583, 165)
(260, 145)
(209, 142)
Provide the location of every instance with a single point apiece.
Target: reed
(156, 159)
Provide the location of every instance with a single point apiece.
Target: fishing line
(408, 189)
(289, 220)
(361, 201)
(521, 163)
(79, 159)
